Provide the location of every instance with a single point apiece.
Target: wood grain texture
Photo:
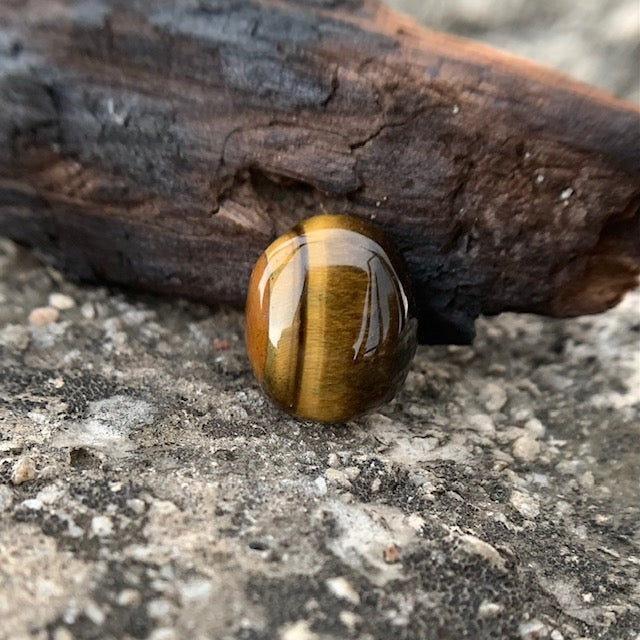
(163, 145)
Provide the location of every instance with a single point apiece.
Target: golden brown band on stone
(329, 332)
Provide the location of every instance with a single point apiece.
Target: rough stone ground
(147, 489)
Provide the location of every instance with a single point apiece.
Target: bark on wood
(164, 144)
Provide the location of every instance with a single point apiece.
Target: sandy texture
(148, 490)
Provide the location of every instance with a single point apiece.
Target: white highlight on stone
(342, 588)
(297, 631)
(61, 301)
(489, 609)
(101, 526)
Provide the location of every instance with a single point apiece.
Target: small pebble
(489, 609)
(129, 598)
(88, 311)
(42, 316)
(478, 547)
(333, 460)
(481, 423)
(496, 369)
(525, 448)
(297, 631)
(101, 526)
(62, 633)
(521, 414)
(14, 336)
(526, 505)
(32, 504)
(50, 494)
(23, 470)
(196, 590)
(74, 530)
(337, 478)
(391, 554)
(342, 588)
(94, 613)
(61, 301)
(321, 485)
(352, 472)
(350, 620)
(533, 630)
(493, 396)
(535, 428)
(136, 505)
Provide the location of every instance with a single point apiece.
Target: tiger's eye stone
(329, 328)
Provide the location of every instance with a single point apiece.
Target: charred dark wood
(163, 145)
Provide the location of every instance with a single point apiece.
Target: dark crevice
(335, 85)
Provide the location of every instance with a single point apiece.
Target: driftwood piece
(164, 144)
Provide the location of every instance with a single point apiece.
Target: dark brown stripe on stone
(303, 319)
(302, 334)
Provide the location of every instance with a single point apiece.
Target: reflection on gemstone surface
(339, 335)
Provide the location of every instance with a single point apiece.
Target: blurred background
(597, 41)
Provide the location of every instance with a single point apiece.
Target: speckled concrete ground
(147, 489)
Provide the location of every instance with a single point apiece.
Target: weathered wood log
(163, 144)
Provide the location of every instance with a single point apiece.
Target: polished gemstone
(329, 325)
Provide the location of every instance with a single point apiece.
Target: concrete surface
(148, 490)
